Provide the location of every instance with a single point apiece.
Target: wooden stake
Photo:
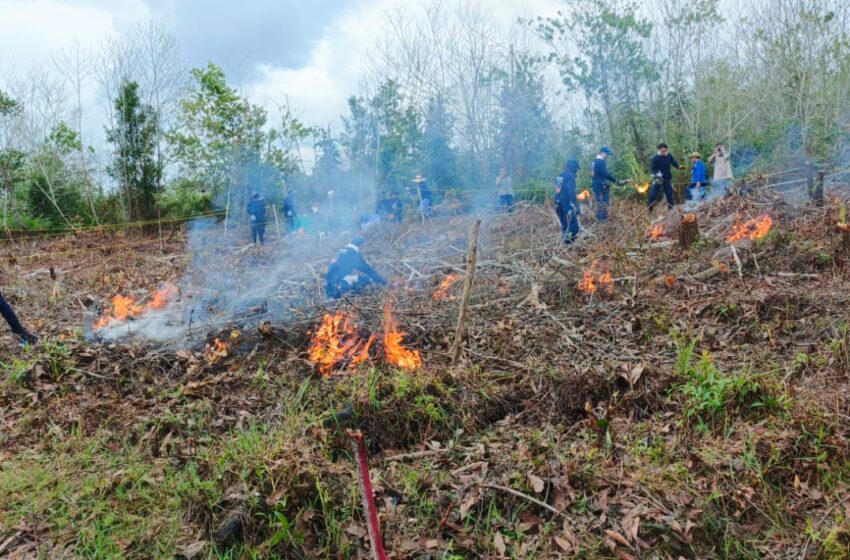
(471, 256)
(688, 230)
(276, 223)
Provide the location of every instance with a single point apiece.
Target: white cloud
(31, 31)
(318, 90)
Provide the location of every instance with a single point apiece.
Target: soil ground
(696, 409)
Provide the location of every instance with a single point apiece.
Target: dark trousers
(655, 191)
(602, 196)
(506, 201)
(258, 232)
(569, 223)
(9, 314)
(337, 289)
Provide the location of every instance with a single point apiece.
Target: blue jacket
(566, 197)
(257, 209)
(289, 206)
(600, 174)
(698, 174)
(347, 261)
(664, 165)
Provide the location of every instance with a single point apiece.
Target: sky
(309, 54)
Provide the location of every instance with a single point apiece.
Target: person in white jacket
(722, 169)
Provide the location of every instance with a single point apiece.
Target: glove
(253, 218)
(622, 183)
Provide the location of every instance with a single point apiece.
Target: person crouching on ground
(257, 213)
(9, 314)
(566, 204)
(698, 177)
(349, 272)
(662, 172)
(506, 190)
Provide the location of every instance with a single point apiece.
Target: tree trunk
(688, 230)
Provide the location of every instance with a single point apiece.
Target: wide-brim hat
(696, 155)
(419, 179)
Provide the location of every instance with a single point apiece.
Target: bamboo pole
(276, 223)
(471, 256)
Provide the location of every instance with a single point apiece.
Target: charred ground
(698, 410)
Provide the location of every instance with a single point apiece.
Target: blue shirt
(600, 173)
(699, 172)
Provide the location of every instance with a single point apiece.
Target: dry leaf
(536, 483)
(499, 543)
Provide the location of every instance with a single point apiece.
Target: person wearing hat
(722, 168)
(425, 197)
(505, 188)
(662, 172)
(9, 315)
(599, 182)
(566, 204)
(699, 180)
(257, 214)
(349, 272)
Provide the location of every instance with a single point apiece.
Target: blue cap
(358, 240)
(605, 150)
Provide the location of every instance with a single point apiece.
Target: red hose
(372, 522)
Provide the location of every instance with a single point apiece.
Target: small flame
(751, 229)
(337, 342)
(125, 307)
(656, 232)
(583, 195)
(593, 281)
(395, 353)
(442, 291)
(162, 297)
(216, 351)
(642, 188)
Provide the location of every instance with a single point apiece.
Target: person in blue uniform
(699, 178)
(662, 167)
(349, 272)
(257, 214)
(290, 214)
(566, 204)
(8, 314)
(600, 179)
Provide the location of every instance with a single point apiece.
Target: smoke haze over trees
(449, 93)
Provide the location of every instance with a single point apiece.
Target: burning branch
(442, 291)
(751, 229)
(395, 353)
(337, 342)
(593, 281)
(125, 307)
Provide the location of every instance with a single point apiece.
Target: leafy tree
(135, 164)
(439, 163)
(55, 188)
(525, 126)
(609, 66)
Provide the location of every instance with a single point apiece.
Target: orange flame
(442, 291)
(337, 342)
(593, 281)
(642, 188)
(656, 232)
(751, 229)
(125, 307)
(395, 353)
(162, 297)
(583, 195)
(216, 351)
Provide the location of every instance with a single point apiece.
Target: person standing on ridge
(505, 187)
(257, 213)
(662, 173)
(698, 177)
(599, 182)
(722, 169)
(566, 204)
